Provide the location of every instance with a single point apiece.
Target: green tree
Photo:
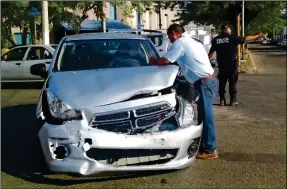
(129, 6)
(269, 19)
(257, 14)
(13, 14)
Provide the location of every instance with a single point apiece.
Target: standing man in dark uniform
(225, 46)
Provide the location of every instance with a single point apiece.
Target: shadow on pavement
(22, 156)
(276, 54)
(255, 158)
(266, 49)
(22, 85)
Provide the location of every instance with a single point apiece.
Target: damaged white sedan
(103, 107)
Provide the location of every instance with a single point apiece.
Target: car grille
(134, 119)
(128, 157)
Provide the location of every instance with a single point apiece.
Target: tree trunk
(10, 38)
(24, 35)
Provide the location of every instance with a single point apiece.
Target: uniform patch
(222, 40)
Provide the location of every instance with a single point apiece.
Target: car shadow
(22, 157)
(22, 85)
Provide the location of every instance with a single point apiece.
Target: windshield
(106, 53)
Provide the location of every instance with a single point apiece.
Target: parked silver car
(103, 107)
(16, 63)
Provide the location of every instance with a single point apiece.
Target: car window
(108, 53)
(38, 53)
(15, 54)
(157, 39)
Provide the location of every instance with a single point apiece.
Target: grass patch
(246, 67)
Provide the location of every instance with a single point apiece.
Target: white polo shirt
(191, 57)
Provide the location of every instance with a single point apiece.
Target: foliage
(259, 16)
(129, 6)
(268, 19)
(15, 13)
(12, 15)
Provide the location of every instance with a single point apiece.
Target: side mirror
(39, 70)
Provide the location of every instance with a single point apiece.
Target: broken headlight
(59, 110)
(187, 114)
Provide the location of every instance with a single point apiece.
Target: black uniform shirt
(225, 46)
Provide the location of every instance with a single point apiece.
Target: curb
(252, 61)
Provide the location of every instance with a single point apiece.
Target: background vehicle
(266, 42)
(282, 43)
(103, 108)
(160, 40)
(16, 63)
(54, 45)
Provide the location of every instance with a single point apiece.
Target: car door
(36, 55)
(12, 64)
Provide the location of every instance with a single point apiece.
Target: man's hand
(262, 35)
(153, 60)
(158, 61)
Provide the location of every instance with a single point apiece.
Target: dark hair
(175, 28)
(224, 26)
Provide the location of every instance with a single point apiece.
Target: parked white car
(16, 63)
(160, 40)
(103, 107)
(283, 43)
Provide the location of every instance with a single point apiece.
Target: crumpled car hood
(91, 88)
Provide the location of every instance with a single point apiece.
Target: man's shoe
(204, 155)
(233, 101)
(222, 101)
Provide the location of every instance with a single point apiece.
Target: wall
(149, 19)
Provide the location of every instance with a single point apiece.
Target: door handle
(160, 50)
(18, 64)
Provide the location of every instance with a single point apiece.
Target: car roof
(39, 45)
(91, 36)
(154, 34)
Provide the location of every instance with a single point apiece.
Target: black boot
(222, 101)
(233, 101)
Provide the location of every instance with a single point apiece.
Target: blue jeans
(207, 91)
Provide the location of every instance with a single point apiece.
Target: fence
(280, 37)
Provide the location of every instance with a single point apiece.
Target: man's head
(174, 32)
(225, 29)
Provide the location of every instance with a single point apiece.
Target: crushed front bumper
(83, 148)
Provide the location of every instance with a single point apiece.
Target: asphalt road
(251, 140)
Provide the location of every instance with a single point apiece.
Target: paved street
(251, 140)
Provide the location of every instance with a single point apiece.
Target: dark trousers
(231, 76)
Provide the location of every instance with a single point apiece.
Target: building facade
(148, 20)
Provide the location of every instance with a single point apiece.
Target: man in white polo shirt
(193, 60)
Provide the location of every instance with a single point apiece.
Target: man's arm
(212, 49)
(174, 53)
(240, 40)
(210, 54)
